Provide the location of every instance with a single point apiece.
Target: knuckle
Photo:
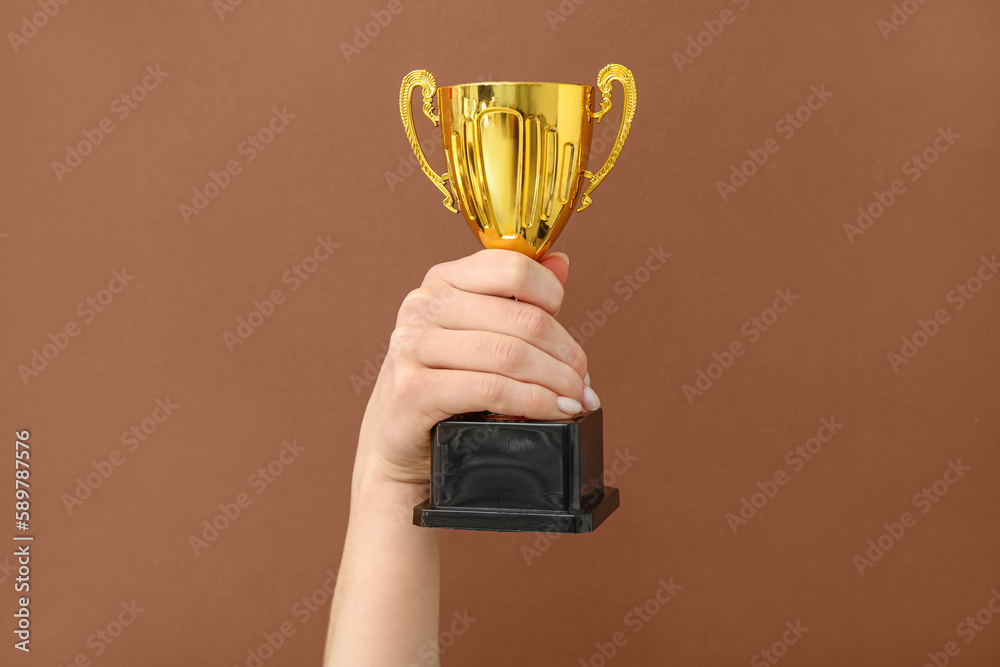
(492, 389)
(576, 357)
(433, 275)
(407, 382)
(531, 322)
(517, 268)
(438, 296)
(570, 382)
(425, 304)
(539, 400)
(560, 294)
(403, 340)
(413, 304)
(510, 353)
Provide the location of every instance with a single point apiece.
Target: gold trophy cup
(516, 154)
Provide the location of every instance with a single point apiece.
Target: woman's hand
(461, 344)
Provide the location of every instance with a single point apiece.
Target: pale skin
(461, 344)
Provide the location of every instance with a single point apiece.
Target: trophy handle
(604, 78)
(425, 80)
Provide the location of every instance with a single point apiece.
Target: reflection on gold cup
(516, 152)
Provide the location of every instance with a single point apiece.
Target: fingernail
(590, 399)
(586, 379)
(564, 256)
(569, 406)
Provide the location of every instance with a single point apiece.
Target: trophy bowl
(516, 152)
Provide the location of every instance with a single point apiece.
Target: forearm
(385, 609)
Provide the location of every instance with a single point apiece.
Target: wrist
(377, 490)
(393, 448)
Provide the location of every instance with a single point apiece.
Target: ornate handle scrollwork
(604, 78)
(425, 80)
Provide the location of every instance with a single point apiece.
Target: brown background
(324, 175)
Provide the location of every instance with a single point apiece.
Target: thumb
(557, 263)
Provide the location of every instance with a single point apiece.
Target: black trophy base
(490, 472)
(524, 521)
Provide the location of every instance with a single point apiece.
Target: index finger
(506, 273)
